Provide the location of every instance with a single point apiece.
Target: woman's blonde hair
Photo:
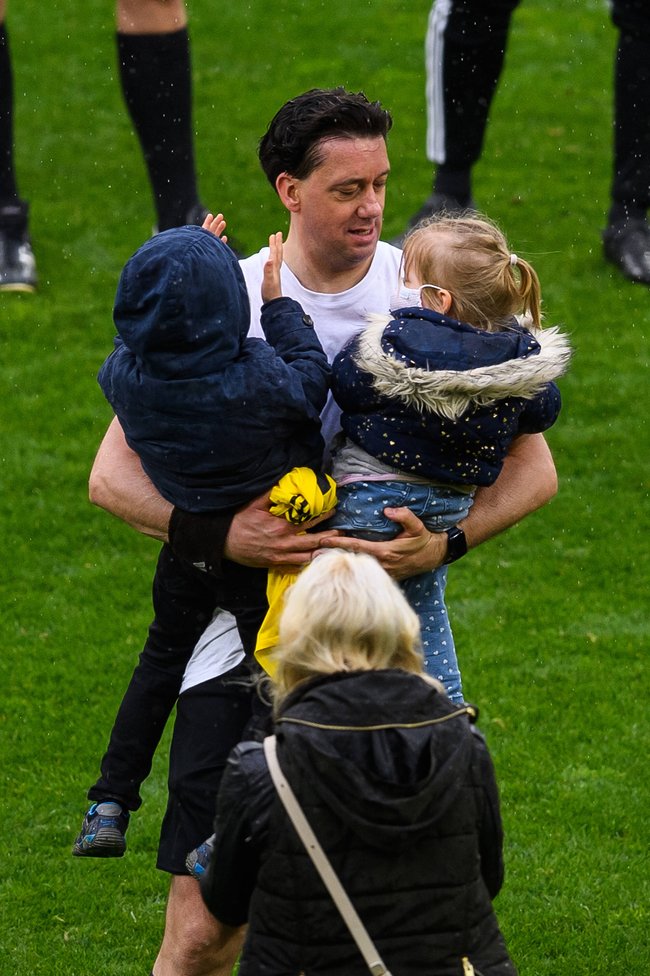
(344, 613)
(470, 257)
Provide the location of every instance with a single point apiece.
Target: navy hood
(181, 306)
(384, 750)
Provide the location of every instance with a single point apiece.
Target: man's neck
(317, 275)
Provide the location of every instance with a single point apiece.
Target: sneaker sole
(108, 842)
(20, 287)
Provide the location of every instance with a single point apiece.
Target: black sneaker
(627, 245)
(102, 832)
(17, 262)
(197, 860)
(437, 203)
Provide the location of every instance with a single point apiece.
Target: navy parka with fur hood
(442, 400)
(215, 417)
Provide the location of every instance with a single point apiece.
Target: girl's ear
(446, 301)
(440, 300)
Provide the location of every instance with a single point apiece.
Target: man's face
(339, 206)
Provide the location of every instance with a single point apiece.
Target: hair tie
(513, 259)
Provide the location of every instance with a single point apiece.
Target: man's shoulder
(386, 256)
(389, 251)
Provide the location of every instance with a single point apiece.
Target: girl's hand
(216, 225)
(271, 285)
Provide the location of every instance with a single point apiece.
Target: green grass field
(551, 619)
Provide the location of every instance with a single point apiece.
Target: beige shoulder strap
(321, 861)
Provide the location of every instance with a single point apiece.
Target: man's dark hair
(292, 142)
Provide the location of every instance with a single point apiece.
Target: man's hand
(527, 481)
(257, 538)
(415, 550)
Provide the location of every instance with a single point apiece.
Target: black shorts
(211, 719)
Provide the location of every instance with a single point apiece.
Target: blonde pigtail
(529, 291)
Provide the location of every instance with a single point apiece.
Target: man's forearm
(119, 485)
(527, 482)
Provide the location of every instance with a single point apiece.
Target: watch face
(456, 545)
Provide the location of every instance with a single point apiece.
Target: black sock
(456, 183)
(620, 212)
(8, 188)
(155, 74)
(631, 183)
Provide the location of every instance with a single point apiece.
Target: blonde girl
(433, 395)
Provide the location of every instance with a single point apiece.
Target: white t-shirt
(336, 319)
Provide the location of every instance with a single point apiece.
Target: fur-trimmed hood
(436, 364)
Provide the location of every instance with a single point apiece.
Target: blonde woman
(395, 781)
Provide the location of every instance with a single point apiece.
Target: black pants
(184, 601)
(211, 718)
(466, 44)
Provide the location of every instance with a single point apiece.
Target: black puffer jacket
(400, 791)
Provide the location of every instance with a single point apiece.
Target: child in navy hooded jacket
(433, 396)
(216, 419)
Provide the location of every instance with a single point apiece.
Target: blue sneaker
(197, 860)
(102, 832)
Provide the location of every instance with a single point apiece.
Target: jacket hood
(182, 307)
(383, 749)
(435, 363)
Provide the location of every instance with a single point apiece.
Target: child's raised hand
(216, 225)
(271, 284)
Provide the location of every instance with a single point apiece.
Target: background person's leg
(17, 264)
(627, 236)
(155, 74)
(210, 720)
(464, 53)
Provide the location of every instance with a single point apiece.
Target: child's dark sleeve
(200, 538)
(541, 412)
(291, 333)
(352, 387)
